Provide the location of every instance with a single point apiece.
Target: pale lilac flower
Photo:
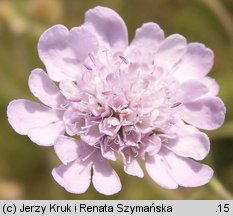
(142, 101)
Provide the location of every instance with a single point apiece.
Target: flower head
(104, 98)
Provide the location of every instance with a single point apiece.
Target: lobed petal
(195, 64)
(170, 51)
(133, 168)
(109, 26)
(206, 113)
(54, 51)
(74, 177)
(190, 142)
(190, 91)
(47, 134)
(24, 115)
(69, 149)
(148, 37)
(157, 168)
(45, 89)
(66, 149)
(83, 42)
(170, 170)
(105, 179)
(185, 171)
(145, 43)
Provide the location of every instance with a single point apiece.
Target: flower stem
(218, 187)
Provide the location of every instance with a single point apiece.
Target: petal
(185, 171)
(74, 122)
(133, 168)
(44, 88)
(110, 154)
(150, 144)
(170, 51)
(206, 113)
(195, 64)
(109, 26)
(190, 143)
(212, 85)
(157, 167)
(24, 115)
(83, 42)
(148, 36)
(190, 90)
(107, 150)
(69, 89)
(109, 126)
(105, 179)
(92, 136)
(46, 135)
(146, 41)
(74, 177)
(68, 149)
(60, 61)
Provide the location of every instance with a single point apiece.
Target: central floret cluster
(118, 107)
(142, 101)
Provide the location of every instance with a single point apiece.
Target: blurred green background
(25, 168)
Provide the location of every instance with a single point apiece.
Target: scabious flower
(104, 99)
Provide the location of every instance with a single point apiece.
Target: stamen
(123, 59)
(92, 57)
(89, 155)
(128, 132)
(135, 152)
(63, 106)
(106, 55)
(97, 145)
(86, 127)
(107, 92)
(74, 100)
(128, 158)
(121, 148)
(87, 67)
(176, 105)
(113, 149)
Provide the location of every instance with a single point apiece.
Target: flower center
(117, 107)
